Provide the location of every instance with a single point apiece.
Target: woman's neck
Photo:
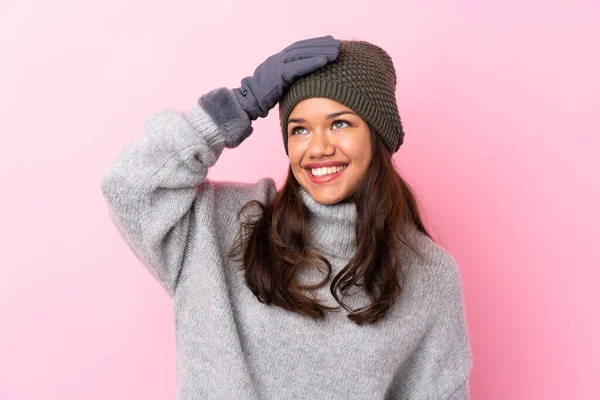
(331, 226)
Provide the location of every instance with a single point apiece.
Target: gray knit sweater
(229, 345)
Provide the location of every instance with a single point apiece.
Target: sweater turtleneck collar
(331, 226)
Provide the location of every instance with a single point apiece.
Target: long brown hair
(273, 245)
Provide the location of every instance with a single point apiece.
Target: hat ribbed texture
(362, 78)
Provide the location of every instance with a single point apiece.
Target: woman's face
(323, 133)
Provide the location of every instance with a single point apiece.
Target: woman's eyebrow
(329, 116)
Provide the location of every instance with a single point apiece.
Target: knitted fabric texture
(363, 78)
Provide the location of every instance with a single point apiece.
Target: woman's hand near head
(260, 92)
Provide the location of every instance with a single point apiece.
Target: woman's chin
(326, 195)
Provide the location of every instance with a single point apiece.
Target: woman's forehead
(316, 107)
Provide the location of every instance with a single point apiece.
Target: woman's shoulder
(429, 265)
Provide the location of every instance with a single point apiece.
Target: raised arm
(152, 187)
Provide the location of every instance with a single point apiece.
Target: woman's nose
(320, 145)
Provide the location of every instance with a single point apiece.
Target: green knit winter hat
(362, 78)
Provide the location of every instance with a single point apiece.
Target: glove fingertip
(321, 61)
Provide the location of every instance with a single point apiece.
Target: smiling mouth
(327, 171)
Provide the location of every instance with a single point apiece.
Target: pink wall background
(500, 105)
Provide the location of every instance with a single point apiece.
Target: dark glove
(262, 91)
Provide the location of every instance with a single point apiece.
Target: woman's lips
(324, 178)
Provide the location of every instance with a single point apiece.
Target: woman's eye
(295, 130)
(337, 123)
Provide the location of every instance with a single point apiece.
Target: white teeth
(327, 170)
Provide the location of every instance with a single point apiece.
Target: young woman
(328, 288)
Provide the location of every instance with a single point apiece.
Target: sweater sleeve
(462, 392)
(439, 367)
(152, 185)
